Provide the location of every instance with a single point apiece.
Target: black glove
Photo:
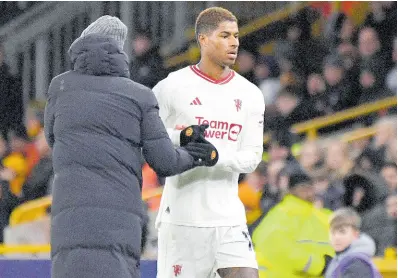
(193, 133)
(204, 154)
(328, 259)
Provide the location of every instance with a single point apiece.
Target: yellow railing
(192, 54)
(24, 249)
(359, 134)
(311, 127)
(30, 211)
(36, 209)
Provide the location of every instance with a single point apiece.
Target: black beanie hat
(298, 178)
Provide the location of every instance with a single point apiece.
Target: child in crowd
(354, 250)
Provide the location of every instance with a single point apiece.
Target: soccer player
(201, 221)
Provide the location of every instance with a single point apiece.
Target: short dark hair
(209, 19)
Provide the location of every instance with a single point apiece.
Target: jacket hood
(375, 190)
(364, 244)
(98, 55)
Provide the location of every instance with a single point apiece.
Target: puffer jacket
(99, 123)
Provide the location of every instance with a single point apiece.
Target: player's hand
(193, 133)
(204, 154)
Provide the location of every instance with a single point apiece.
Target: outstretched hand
(192, 138)
(193, 133)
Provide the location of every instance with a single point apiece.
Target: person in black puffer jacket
(99, 123)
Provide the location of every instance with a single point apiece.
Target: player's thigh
(184, 251)
(238, 272)
(93, 263)
(235, 254)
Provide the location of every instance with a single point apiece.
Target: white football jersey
(234, 110)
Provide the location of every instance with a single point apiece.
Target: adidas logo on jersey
(196, 101)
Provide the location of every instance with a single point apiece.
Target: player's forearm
(239, 162)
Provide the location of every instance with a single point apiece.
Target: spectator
(373, 66)
(328, 195)
(250, 190)
(386, 131)
(391, 147)
(339, 29)
(364, 191)
(146, 66)
(381, 224)
(305, 52)
(338, 88)
(317, 99)
(34, 122)
(11, 104)
(290, 110)
(267, 74)
(353, 249)
(37, 183)
(20, 143)
(14, 172)
(3, 148)
(245, 63)
(281, 236)
(280, 149)
(338, 162)
(348, 53)
(391, 81)
(383, 18)
(271, 194)
(389, 174)
(370, 160)
(310, 156)
(12, 176)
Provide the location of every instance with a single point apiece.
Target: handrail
(24, 248)
(19, 213)
(247, 29)
(311, 127)
(359, 134)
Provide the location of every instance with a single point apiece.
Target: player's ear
(202, 39)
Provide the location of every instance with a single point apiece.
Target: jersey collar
(203, 75)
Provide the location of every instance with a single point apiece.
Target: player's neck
(213, 70)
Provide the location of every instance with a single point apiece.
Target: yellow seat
(30, 211)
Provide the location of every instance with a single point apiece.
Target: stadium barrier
(30, 211)
(311, 127)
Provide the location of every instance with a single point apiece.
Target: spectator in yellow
(14, 170)
(292, 239)
(250, 190)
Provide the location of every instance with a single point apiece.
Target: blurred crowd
(361, 175)
(306, 77)
(11, 9)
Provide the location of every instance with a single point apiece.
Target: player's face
(222, 44)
